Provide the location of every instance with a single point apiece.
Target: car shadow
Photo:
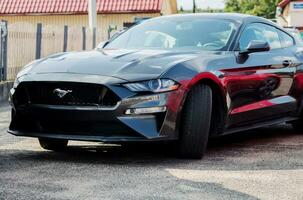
(273, 148)
(269, 144)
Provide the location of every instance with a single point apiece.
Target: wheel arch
(219, 108)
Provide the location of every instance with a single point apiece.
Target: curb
(4, 90)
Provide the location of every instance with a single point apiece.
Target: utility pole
(194, 6)
(92, 14)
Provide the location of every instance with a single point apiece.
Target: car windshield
(177, 33)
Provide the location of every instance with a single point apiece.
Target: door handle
(287, 63)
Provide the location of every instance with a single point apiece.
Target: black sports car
(179, 78)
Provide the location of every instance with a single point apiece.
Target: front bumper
(91, 123)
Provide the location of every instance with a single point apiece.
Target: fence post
(94, 37)
(65, 38)
(3, 55)
(83, 38)
(38, 41)
(1, 52)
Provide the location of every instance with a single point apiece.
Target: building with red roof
(111, 13)
(74, 7)
(290, 13)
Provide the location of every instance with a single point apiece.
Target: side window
(263, 32)
(286, 40)
(272, 36)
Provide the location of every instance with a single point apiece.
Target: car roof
(240, 18)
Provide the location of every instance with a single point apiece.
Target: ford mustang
(179, 79)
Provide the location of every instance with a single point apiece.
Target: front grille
(78, 94)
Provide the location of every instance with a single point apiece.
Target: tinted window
(258, 31)
(286, 40)
(177, 33)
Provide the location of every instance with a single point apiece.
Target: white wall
(295, 17)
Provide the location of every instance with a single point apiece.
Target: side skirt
(259, 125)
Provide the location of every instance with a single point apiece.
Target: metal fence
(23, 42)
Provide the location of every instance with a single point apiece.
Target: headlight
(157, 85)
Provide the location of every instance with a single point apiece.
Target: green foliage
(199, 10)
(181, 9)
(262, 8)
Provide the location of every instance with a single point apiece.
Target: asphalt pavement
(265, 163)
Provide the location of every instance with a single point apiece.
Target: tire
(196, 122)
(53, 144)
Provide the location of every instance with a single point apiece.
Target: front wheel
(53, 144)
(196, 120)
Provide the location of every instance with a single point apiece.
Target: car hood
(129, 65)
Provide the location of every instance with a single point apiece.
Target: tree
(262, 8)
(194, 6)
(181, 9)
(232, 6)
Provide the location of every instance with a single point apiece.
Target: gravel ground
(261, 164)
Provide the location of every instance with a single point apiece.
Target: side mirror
(256, 46)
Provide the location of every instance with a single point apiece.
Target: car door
(259, 86)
